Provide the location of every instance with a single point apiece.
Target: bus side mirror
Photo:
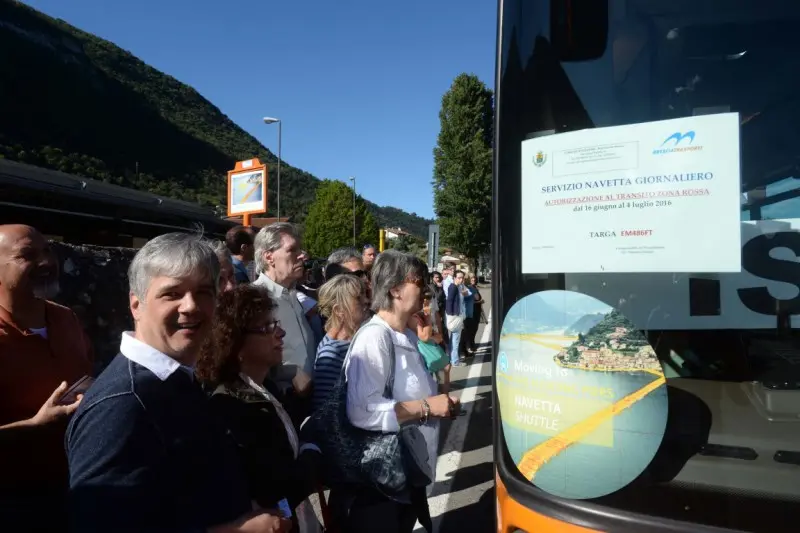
(579, 29)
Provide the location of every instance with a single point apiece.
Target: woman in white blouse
(398, 280)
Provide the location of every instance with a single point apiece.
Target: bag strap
(389, 387)
(388, 391)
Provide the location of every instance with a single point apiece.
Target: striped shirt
(327, 368)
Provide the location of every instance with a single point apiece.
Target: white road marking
(459, 499)
(467, 459)
(451, 458)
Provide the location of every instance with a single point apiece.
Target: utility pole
(353, 179)
(273, 120)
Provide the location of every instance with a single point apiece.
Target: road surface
(463, 496)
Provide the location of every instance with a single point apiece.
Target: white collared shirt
(162, 365)
(446, 284)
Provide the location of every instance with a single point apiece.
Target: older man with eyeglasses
(146, 452)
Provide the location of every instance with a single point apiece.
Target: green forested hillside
(77, 103)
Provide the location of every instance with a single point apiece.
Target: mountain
(584, 324)
(532, 314)
(73, 102)
(615, 321)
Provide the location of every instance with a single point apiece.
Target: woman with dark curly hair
(246, 342)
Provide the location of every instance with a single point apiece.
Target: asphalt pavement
(463, 495)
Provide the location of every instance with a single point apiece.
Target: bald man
(43, 350)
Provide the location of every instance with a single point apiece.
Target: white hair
(174, 255)
(269, 238)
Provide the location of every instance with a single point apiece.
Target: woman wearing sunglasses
(246, 342)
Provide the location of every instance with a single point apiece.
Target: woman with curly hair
(246, 342)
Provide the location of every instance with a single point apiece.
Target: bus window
(651, 400)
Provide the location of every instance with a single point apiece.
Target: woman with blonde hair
(343, 301)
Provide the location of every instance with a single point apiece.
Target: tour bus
(646, 234)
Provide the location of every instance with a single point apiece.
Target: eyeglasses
(267, 329)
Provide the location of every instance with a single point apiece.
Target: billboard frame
(248, 166)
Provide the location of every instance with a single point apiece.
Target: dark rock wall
(94, 284)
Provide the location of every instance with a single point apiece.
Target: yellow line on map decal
(254, 189)
(541, 454)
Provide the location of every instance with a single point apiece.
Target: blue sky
(358, 84)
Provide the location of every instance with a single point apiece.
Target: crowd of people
(201, 422)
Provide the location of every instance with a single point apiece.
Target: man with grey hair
(280, 265)
(343, 259)
(145, 451)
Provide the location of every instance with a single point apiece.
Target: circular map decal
(583, 399)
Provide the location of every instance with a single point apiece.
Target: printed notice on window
(653, 197)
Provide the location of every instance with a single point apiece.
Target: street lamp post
(272, 120)
(353, 179)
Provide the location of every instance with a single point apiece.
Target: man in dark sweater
(145, 452)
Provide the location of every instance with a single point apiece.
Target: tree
(329, 224)
(462, 175)
(410, 244)
(402, 243)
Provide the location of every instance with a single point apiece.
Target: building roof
(259, 222)
(396, 231)
(33, 191)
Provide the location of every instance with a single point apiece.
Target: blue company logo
(671, 143)
(502, 362)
